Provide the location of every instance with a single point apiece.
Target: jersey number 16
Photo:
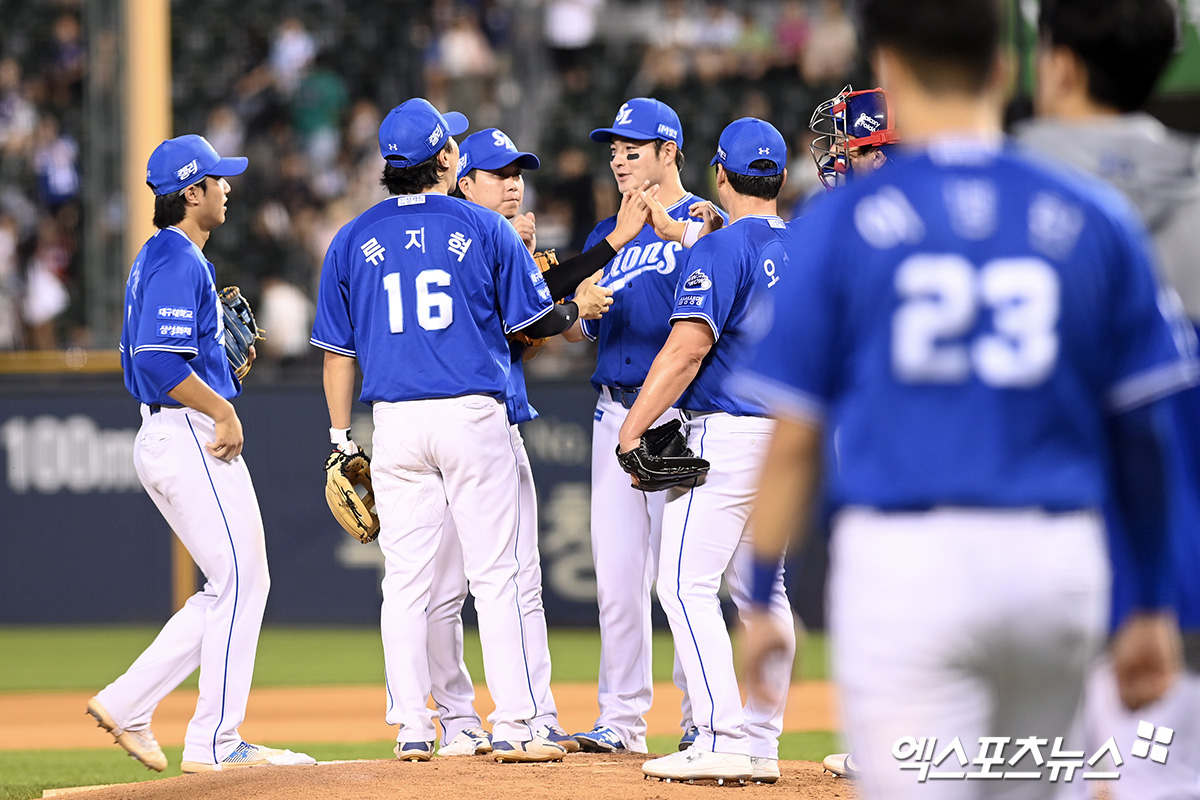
(435, 310)
(934, 336)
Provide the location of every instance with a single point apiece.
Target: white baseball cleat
(536, 749)
(251, 755)
(841, 765)
(468, 742)
(140, 744)
(765, 770)
(413, 751)
(700, 765)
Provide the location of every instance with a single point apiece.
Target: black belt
(157, 407)
(617, 394)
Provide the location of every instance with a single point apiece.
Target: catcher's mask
(852, 119)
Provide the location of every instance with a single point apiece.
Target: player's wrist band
(762, 580)
(339, 435)
(691, 232)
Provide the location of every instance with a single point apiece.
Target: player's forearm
(574, 333)
(195, 393)
(338, 376)
(673, 370)
(786, 489)
(563, 278)
(1139, 477)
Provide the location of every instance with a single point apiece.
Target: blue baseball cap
(491, 148)
(643, 118)
(414, 131)
(748, 139)
(178, 163)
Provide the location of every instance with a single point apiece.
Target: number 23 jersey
(963, 324)
(422, 289)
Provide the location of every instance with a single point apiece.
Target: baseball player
(188, 458)
(856, 134)
(979, 340)
(646, 147)
(704, 531)
(420, 290)
(1097, 65)
(489, 170)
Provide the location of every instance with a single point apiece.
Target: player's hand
(251, 354)
(228, 444)
(593, 300)
(624, 446)
(1147, 657)
(527, 228)
(665, 228)
(707, 212)
(632, 216)
(765, 643)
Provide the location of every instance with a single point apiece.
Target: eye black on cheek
(633, 156)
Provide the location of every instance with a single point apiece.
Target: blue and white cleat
(554, 733)
(689, 737)
(600, 740)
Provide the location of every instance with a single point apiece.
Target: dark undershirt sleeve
(563, 279)
(561, 317)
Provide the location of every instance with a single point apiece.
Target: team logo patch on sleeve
(174, 330)
(176, 312)
(697, 282)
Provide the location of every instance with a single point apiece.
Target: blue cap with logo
(644, 118)
(178, 163)
(414, 131)
(491, 149)
(747, 140)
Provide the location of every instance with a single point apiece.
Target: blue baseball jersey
(963, 324)
(171, 305)
(643, 276)
(422, 289)
(728, 278)
(516, 397)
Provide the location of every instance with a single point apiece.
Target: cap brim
(234, 165)
(456, 122)
(606, 135)
(501, 160)
(716, 160)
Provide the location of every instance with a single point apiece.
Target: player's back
(431, 284)
(993, 313)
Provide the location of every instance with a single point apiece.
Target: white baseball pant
(453, 693)
(626, 528)
(964, 623)
(706, 535)
(432, 458)
(212, 507)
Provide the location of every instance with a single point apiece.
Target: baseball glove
(663, 459)
(241, 331)
(545, 259)
(344, 476)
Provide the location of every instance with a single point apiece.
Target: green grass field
(86, 658)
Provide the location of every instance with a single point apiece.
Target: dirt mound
(610, 777)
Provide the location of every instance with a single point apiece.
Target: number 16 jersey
(422, 289)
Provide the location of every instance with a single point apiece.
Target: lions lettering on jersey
(974, 382)
(643, 276)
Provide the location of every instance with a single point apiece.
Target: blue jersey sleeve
(169, 311)
(332, 329)
(791, 367)
(523, 294)
(708, 288)
(1152, 341)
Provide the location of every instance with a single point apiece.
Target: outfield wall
(82, 543)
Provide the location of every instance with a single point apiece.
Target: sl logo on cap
(186, 171)
(500, 139)
(624, 115)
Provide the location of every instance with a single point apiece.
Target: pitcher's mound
(607, 776)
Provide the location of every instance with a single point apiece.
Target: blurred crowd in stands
(302, 92)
